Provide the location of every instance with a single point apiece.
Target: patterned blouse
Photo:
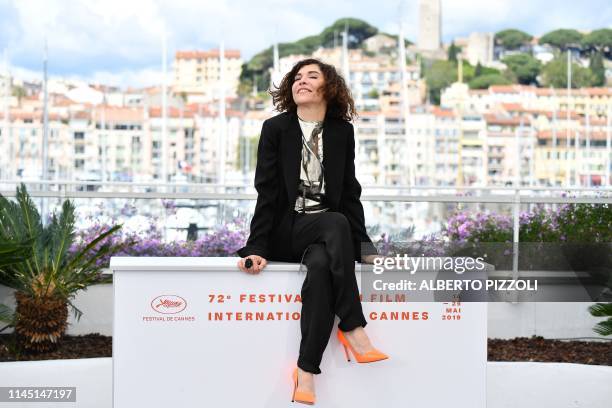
(311, 186)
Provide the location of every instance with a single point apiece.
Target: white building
(197, 74)
(480, 48)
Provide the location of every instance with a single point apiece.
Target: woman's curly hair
(340, 103)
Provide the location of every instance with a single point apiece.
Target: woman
(308, 210)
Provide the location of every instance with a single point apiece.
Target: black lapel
(334, 155)
(292, 154)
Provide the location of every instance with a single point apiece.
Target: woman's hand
(258, 264)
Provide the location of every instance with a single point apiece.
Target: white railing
(513, 196)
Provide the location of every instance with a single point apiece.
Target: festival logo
(168, 304)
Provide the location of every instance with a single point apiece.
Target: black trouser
(324, 242)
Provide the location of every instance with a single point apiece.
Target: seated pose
(308, 210)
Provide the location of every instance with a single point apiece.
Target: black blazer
(276, 180)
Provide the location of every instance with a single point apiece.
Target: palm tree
(46, 283)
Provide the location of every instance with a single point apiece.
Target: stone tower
(430, 25)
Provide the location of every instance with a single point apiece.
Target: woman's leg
(317, 317)
(330, 285)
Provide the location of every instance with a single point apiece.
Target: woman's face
(307, 85)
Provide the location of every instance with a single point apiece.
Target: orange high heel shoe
(368, 357)
(304, 397)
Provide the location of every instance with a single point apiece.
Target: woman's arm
(351, 205)
(266, 184)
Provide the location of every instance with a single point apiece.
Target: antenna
(45, 146)
(567, 118)
(5, 120)
(222, 138)
(164, 130)
(345, 56)
(554, 136)
(405, 104)
(608, 128)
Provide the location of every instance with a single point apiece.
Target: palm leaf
(20, 221)
(604, 328)
(601, 309)
(30, 218)
(82, 268)
(12, 253)
(7, 315)
(62, 235)
(77, 260)
(11, 225)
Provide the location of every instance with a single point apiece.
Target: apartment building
(197, 74)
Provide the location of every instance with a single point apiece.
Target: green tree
(524, 67)
(453, 51)
(358, 31)
(373, 93)
(599, 41)
(258, 66)
(485, 81)
(555, 74)
(439, 75)
(562, 38)
(470, 72)
(512, 39)
(596, 66)
(19, 92)
(46, 282)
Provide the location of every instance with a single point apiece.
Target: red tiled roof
(172, 112)
(598, 91)
(493, 119)
(513, 107)
(562, 92)
(81, 115)
(561, 114)
(33, 116)
(504, 89)
(562, 134)
(443, 113)
(206, 54)
(118, 114)
(594, 121)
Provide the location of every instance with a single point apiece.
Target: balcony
(404, 213)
